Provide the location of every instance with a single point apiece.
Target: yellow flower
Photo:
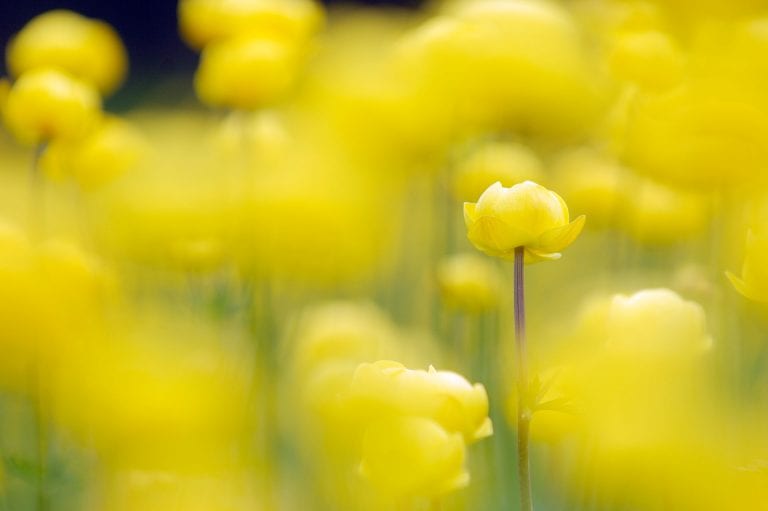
(525, 215)
(387, 388)
(204, 21)
(469, 282)
(411, 456)
(44, 104)
(656, 322)
(106, 153)
(753, 283)
(657, 215)
(649, 59)
(499, 161)
(592, 183)
(88, 49)
(245, 72)
(342, 332)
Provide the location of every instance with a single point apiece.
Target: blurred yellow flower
(525, 215)
(496, 161)
(659, 215)
(656, 322)
(87, 49)
(246, 72)
(387, 388)
(516, 64)
(593, 183)
(45, 104)
(413, 456)
(112, 148)
(649, 59)
(469, 282)
(205, 21)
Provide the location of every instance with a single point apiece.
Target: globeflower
(44, 104)
(469, 282)
(413, 456)
(656, 322)
(204, 21)
(387, 388)
(498, 161)
(112, 148)
(526, 215)
(246, 72)
(88, 49)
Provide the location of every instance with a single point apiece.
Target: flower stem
(36, 207)
(523, 408)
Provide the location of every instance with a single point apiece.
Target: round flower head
(592, 183)
(469, 282)
(88, 49)
(649, 59)
(658, 215)
(245, 72)
(409, 456)
(107, 152)
(753, 283)
(525, 215)
(654, 322)
(500, 161)
(204, 21)
(387, 388)
(45, 104)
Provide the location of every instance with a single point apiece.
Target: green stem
(523, 408)
(41, 444)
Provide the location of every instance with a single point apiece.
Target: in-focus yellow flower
(45, 104)
(753, 283)
(88, 49)
(525, 215)
(387, 388)
(412, 456)
(245, 72)
(499, 161)
(204, 21)
(656, 322)
(469, 282)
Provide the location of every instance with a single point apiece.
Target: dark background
(148, 29)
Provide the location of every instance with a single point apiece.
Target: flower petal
(495, 237)
(469, 213)
(558, 238)
(535, 256)
(745, 289)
